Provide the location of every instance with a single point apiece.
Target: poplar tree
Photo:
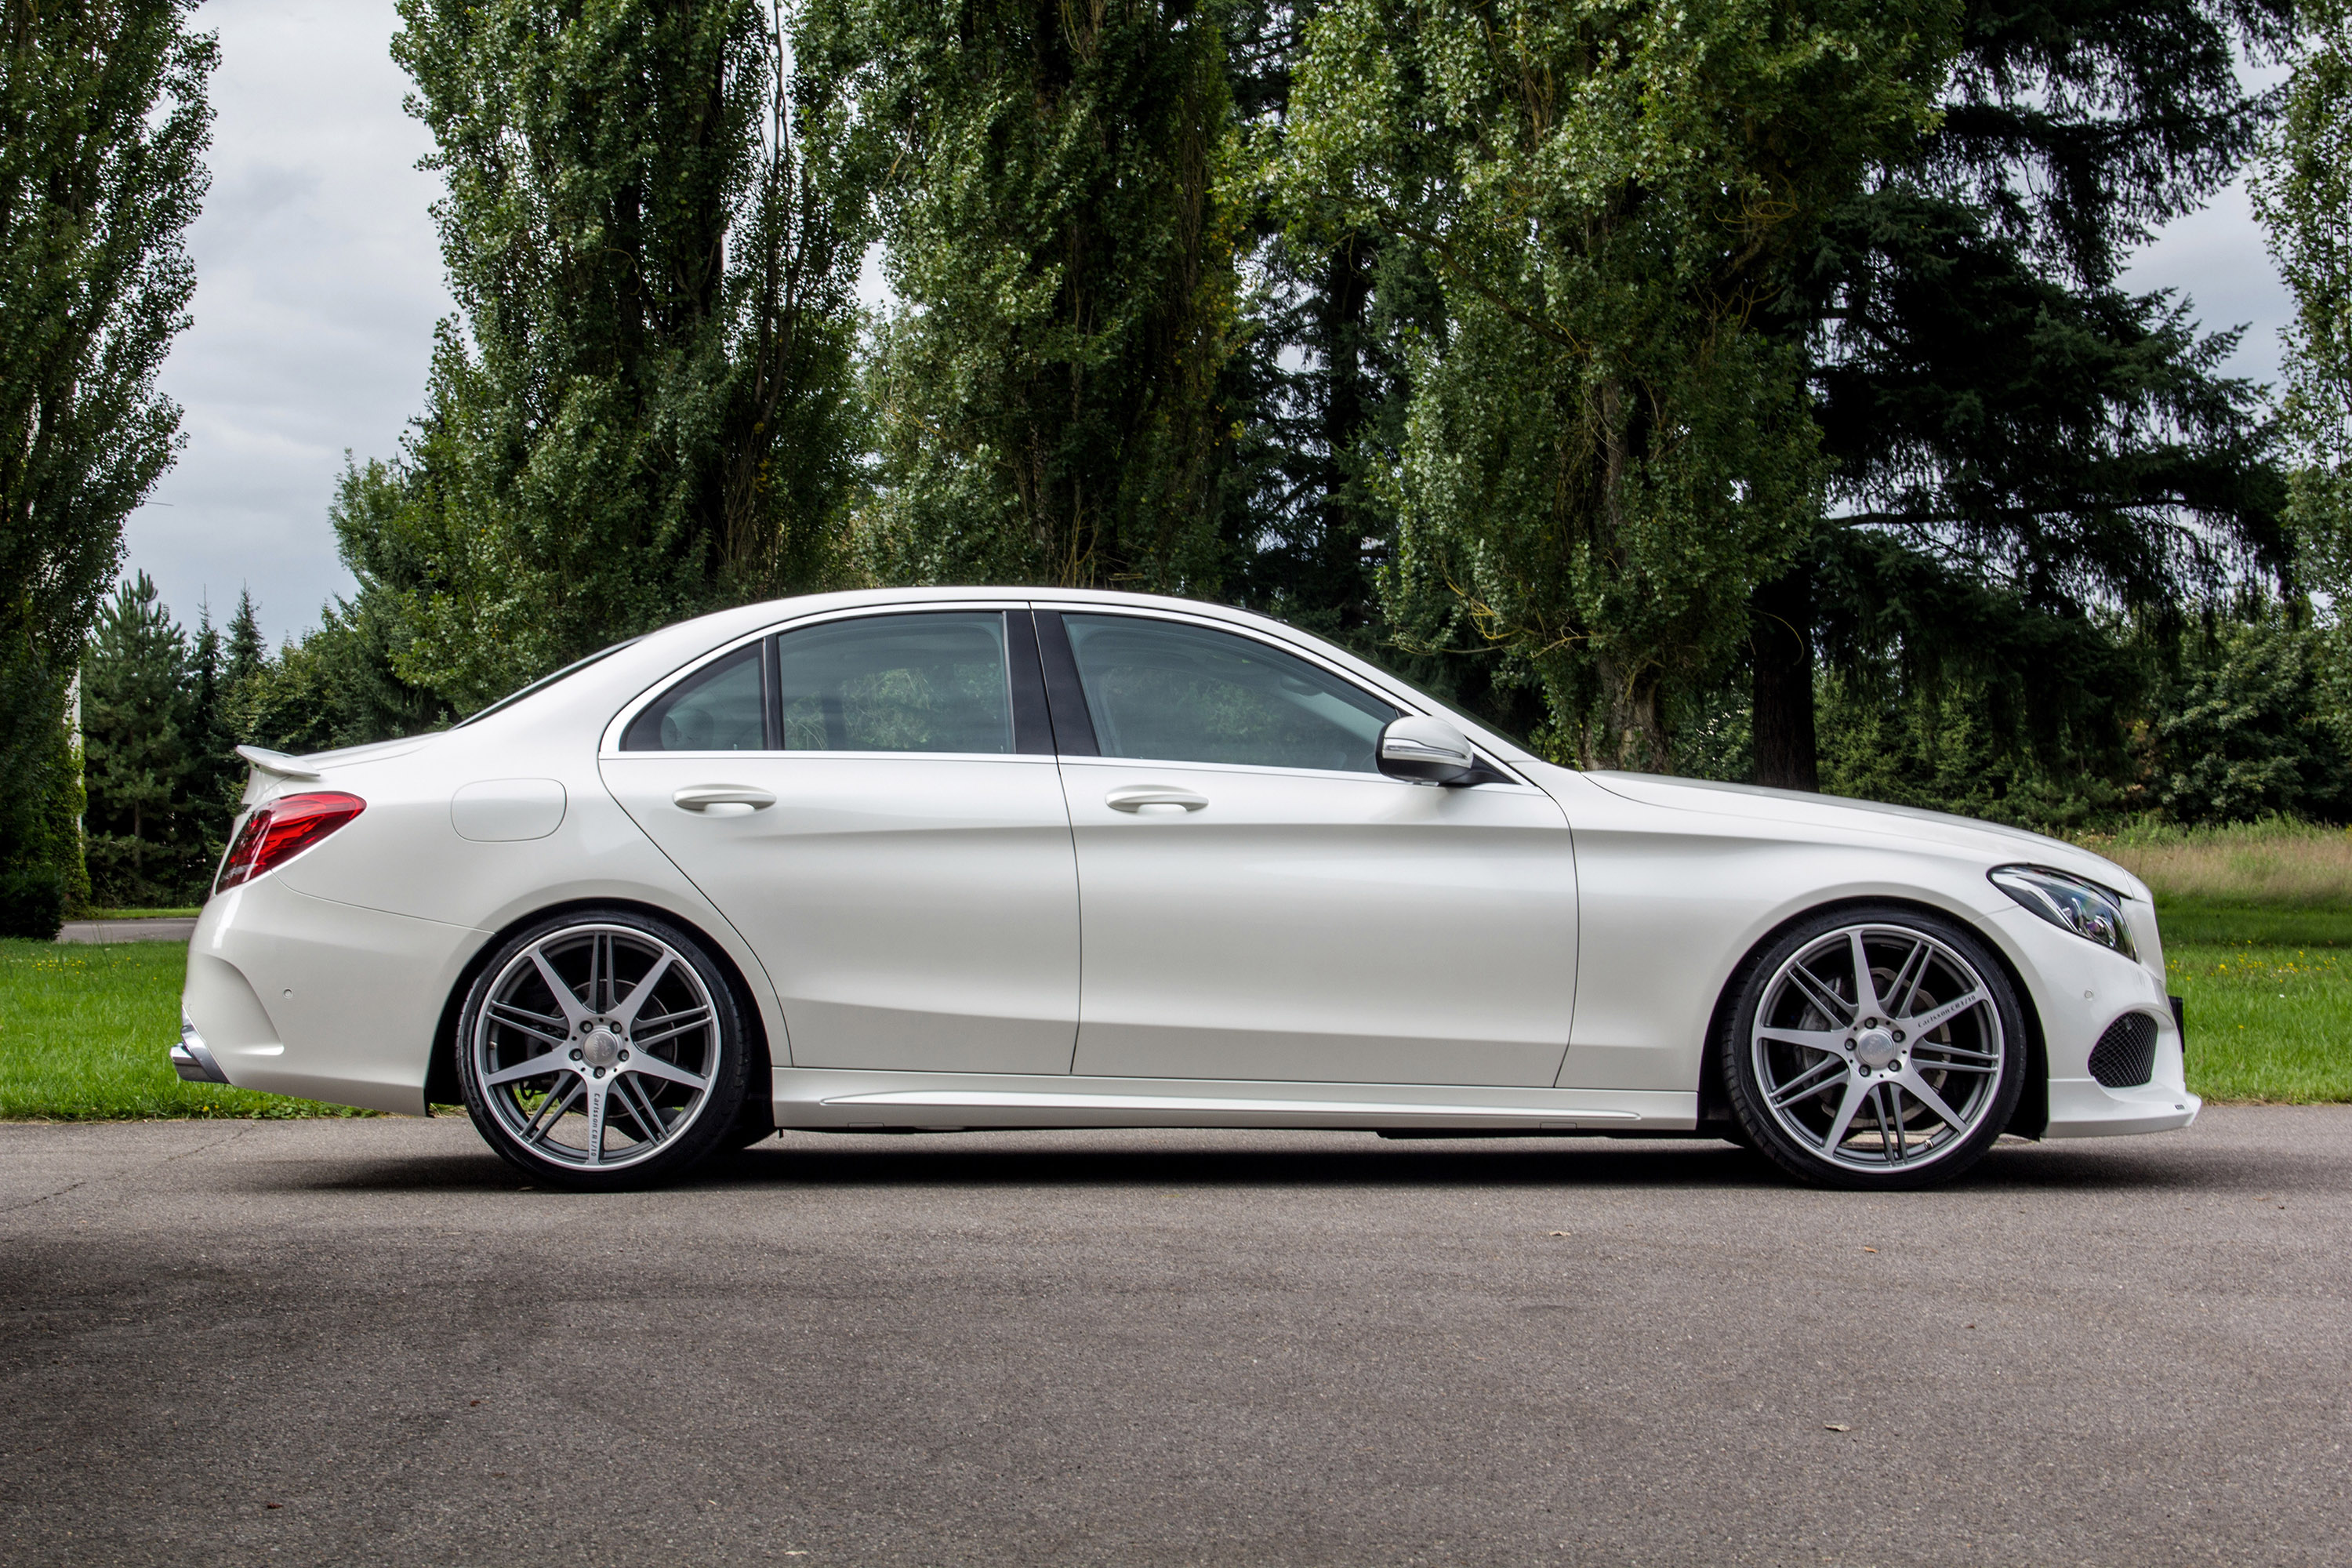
(643, 410)
(103, 126)
(2304, 196)
(1049, 395)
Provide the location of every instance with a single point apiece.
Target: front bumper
(2084, 1108)
(2080, 990)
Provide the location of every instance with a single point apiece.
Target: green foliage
(2303, 194)
(1602, 453)
(644, 414)
(1950, 744)
(103, 126)
(145, 753)
(41, 811)
(2235, 720)
(2068, 444)
(1049, 182)
(32, 902)
(1993, 404)
(2242, 730)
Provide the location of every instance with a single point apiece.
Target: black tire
(642, 1088)
(1937, 1097)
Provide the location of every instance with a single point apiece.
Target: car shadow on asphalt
(1079, 1161)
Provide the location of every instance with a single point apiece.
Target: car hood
(1794, 808)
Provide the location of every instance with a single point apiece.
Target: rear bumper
(305, 996)
(193, 1060)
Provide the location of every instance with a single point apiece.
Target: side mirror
(1425, 751)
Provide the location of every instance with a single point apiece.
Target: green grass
(2277, 863)
(2206, 922)
(2265, 1023)
(188, 913)
(85, 1033)
(2257, 923)
(2266, 985)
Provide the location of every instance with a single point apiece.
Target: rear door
(872, 800)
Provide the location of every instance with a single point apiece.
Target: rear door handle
(702, 798)
(1135, 798)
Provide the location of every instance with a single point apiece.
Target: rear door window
(719, 708)
(931, 682)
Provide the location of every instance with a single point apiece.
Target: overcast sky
(319, 281)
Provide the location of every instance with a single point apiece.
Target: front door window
(1166, 690)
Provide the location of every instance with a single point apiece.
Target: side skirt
(840, 1098)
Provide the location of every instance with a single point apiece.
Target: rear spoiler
(277, 763)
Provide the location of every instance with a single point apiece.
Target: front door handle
(1135, 798)
(702, 798)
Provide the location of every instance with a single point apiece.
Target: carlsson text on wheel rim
(597, 1047)
(1878, 1048)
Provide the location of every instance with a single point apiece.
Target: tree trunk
(1780, 632)
(1633, 734)
(1347, 294)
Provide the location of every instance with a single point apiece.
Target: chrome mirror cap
(1425, 751)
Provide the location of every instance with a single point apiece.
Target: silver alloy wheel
(595, 1046)
(1878, 1048)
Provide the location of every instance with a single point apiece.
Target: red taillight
(282, 830)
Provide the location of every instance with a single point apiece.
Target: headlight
(2069, 903)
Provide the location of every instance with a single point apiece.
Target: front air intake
(2125, 1057)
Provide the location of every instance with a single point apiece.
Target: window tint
(932, 682)
(717, 709)
(1182, 693)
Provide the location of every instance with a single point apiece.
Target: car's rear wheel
(602, 1049)
(1874, 1047)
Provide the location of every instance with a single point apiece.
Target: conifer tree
(245, 654)
(2012, 431)
(140, 718)
(644, 410)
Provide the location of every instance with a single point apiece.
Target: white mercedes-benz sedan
(963, 858)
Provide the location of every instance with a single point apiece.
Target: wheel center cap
(1877, 1047)
(601, 1049)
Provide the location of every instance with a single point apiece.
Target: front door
(874, 804)
(1259, 902)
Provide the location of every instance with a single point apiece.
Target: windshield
(543, 682)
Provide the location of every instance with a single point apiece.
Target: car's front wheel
(602, 1049)
(1874, 1047)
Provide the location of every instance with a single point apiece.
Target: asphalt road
(361, 1342)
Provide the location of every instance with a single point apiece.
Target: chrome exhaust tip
(192, 1058)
